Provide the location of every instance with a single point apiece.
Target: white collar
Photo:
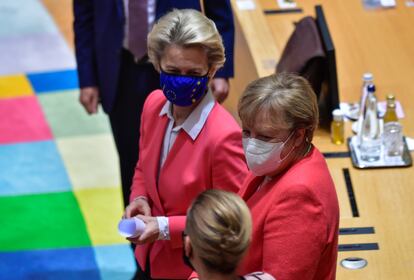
(197, 118)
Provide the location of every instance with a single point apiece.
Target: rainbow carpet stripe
(60, 197)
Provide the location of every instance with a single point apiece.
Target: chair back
(304, 54)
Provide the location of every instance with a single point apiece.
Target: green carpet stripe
(43, 221)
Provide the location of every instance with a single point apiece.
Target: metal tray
(403, 161)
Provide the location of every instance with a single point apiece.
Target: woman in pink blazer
(188, 143)
(290, 192)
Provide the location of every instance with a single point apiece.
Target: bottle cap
(371, 88)
(367, 76)
(390, 97)
(338, 115)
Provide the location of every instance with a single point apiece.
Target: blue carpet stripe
(78, 263)
(54, 81)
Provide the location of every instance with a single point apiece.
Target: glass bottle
(337, 127)
(370, 141)
(367, 79)
(392, 138)
(390, 113)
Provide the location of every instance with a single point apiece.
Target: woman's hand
(139, 206)
(150, 233)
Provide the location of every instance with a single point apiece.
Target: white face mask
(262, 157)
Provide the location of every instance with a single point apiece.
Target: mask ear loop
(209, 79)
(284, 143)
(208, 72)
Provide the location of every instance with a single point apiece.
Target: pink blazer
(295, 222)
(214, 160)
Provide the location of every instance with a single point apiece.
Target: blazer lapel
(154, 162)
(251, 188)
(172, 155)
(252, 195)
(176, 148)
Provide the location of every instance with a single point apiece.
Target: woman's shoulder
(154, 101)
(156, 96)
(307, 167)
(308, 181)
(299, 183)
(258, 276)
(220, 120)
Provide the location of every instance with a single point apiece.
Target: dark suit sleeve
(221, 13)
(83, 11)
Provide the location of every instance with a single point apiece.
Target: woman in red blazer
(188, 144)
(290, 192)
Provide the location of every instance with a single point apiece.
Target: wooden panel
(263, 50)
(244, 71)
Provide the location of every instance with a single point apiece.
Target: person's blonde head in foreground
(219, 228)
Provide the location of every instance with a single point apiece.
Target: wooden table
(379, 41)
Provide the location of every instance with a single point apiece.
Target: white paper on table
(382, 107)
(246, 4)
(410, 143)
(286, 4)
(350, 110)
(388, 3)
(372, 4)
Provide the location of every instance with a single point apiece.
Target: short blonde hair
(186, 28)
(284, 97)
(219, 226)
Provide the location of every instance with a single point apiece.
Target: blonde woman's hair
(284, 97)
(219, 226)
(186, 28)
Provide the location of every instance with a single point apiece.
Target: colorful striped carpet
(60, 197)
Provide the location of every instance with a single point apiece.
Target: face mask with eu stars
(183, 90)
(263, 157)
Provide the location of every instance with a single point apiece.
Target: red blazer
(214, 160)
(295, 222)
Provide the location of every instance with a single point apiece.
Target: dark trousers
(136, 81)
(143, 274)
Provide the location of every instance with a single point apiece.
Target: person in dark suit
(113, 69)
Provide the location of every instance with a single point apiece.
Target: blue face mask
(183, 90)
